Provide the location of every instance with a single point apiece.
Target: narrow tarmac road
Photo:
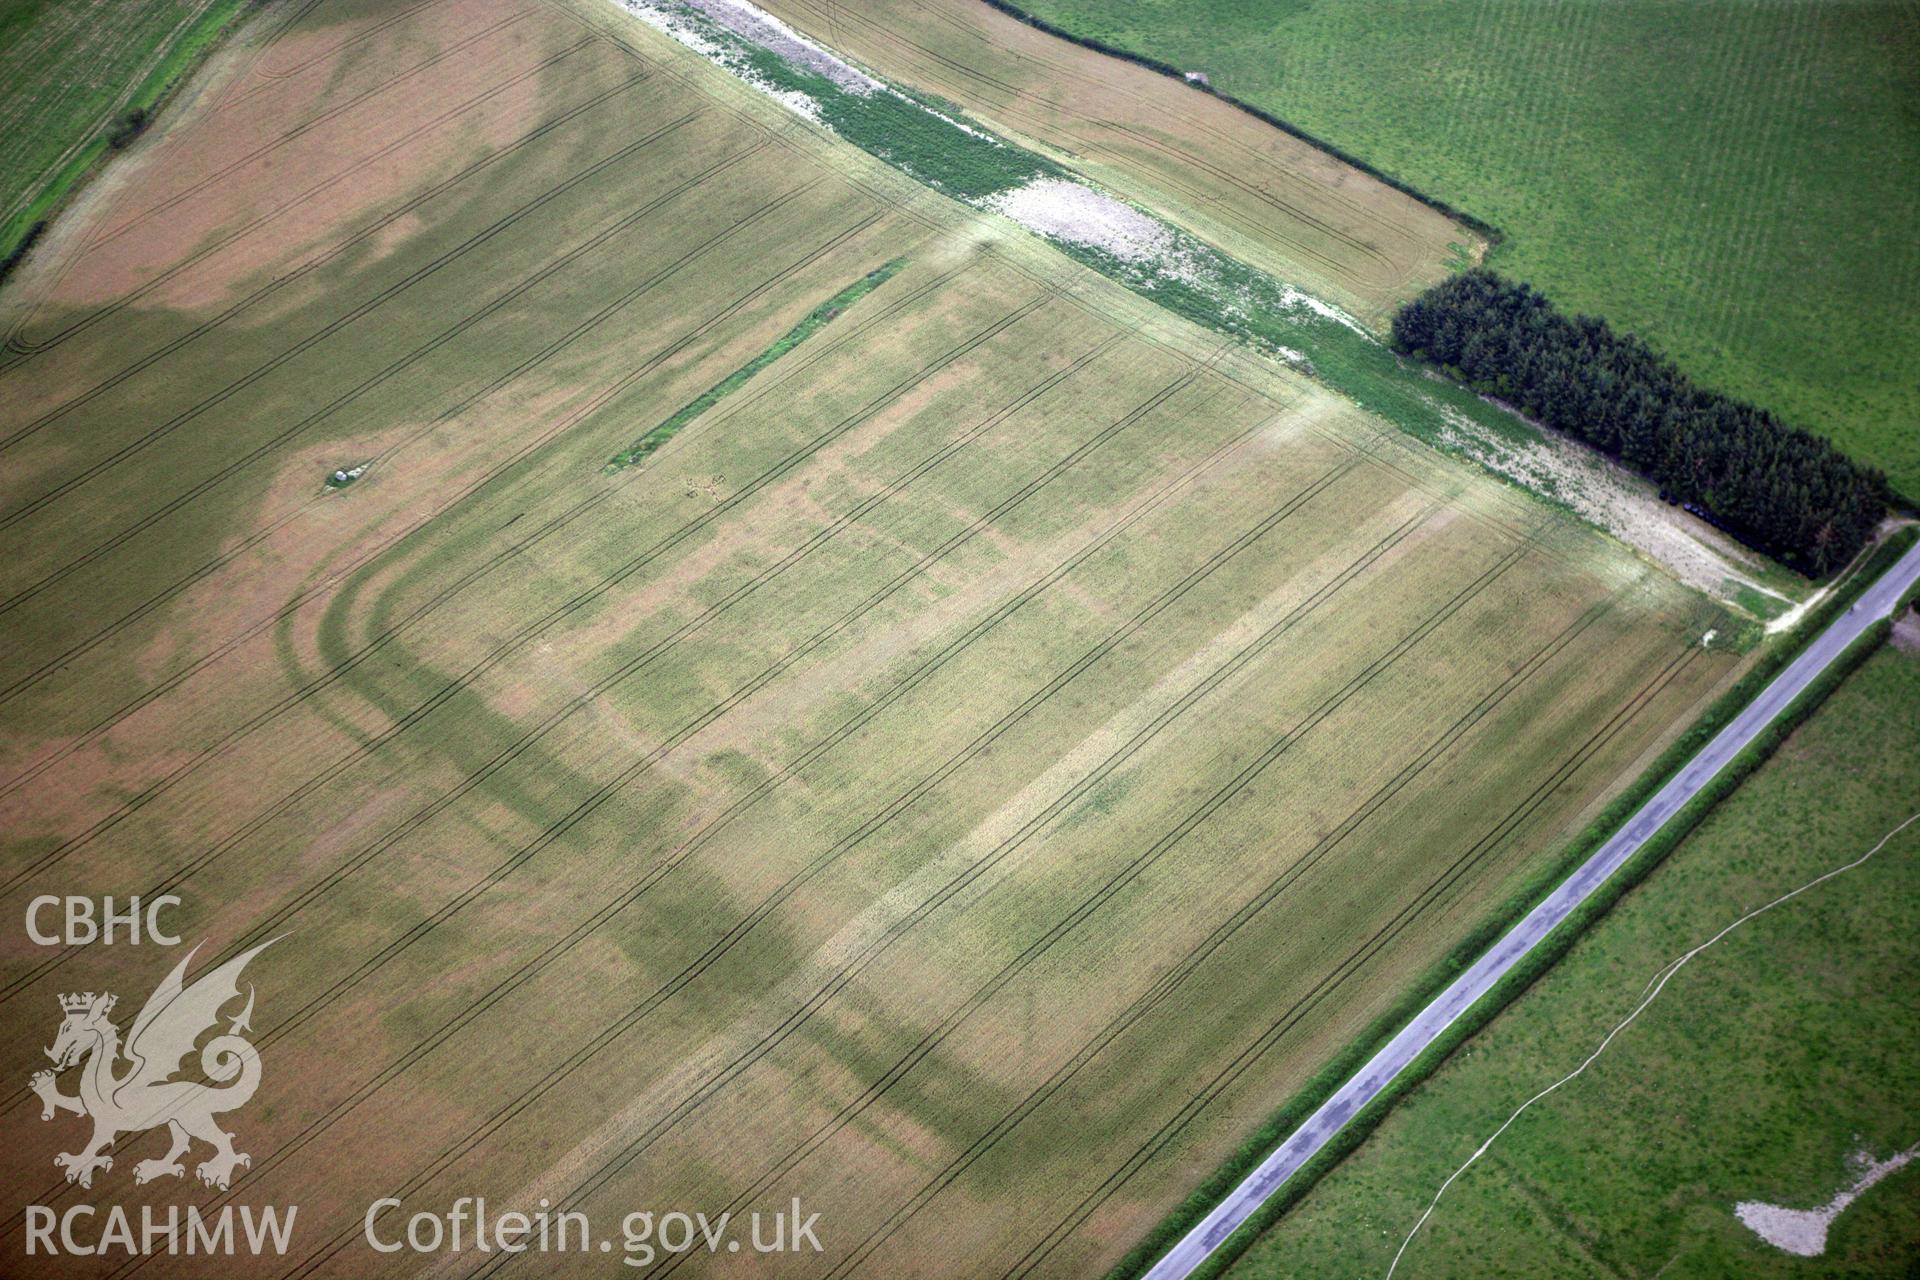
(1194, 1247)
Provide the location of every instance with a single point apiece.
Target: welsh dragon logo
(144, 1094)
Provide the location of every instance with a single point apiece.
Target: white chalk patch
(1803, 1232)
(677, 22)
(750, 22)
(1292, 297)
(1603, 493)
(1648, 995)
(1791, 618)
(1075, 213)
(1063, 210)
(942, 116)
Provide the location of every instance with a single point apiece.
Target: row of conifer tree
(1787, 492)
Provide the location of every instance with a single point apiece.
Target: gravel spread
(1077, 214)
(762, 28)
(1803, 1232)
(1608, 495)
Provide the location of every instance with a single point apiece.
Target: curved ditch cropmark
(875, 947)
(1163, 987)
(372, 557)
(23, 682)
(527, 633)
(1151, 503)
(314, 1005)
(495, 304)
(340, 669)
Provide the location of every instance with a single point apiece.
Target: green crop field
(1738, 181)
(79, 80)
(1761, 1071)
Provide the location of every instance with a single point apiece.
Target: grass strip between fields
(111, 135)
(817, 319)
(1548, 952)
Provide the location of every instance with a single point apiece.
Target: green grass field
(1739, 183)
(70, 73)
(1758, 1073)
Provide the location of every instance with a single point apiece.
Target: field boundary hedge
(24, 245)
(1321, 1086)
(1493, 234)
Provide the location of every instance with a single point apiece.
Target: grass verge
(1784, 1054)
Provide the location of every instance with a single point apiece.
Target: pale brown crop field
(967, 778)
(1261, 195)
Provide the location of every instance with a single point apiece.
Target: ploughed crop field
(729, 675)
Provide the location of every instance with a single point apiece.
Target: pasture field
(1760, 1072)
(966, 776)
(70, 74)
(1738, 182)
